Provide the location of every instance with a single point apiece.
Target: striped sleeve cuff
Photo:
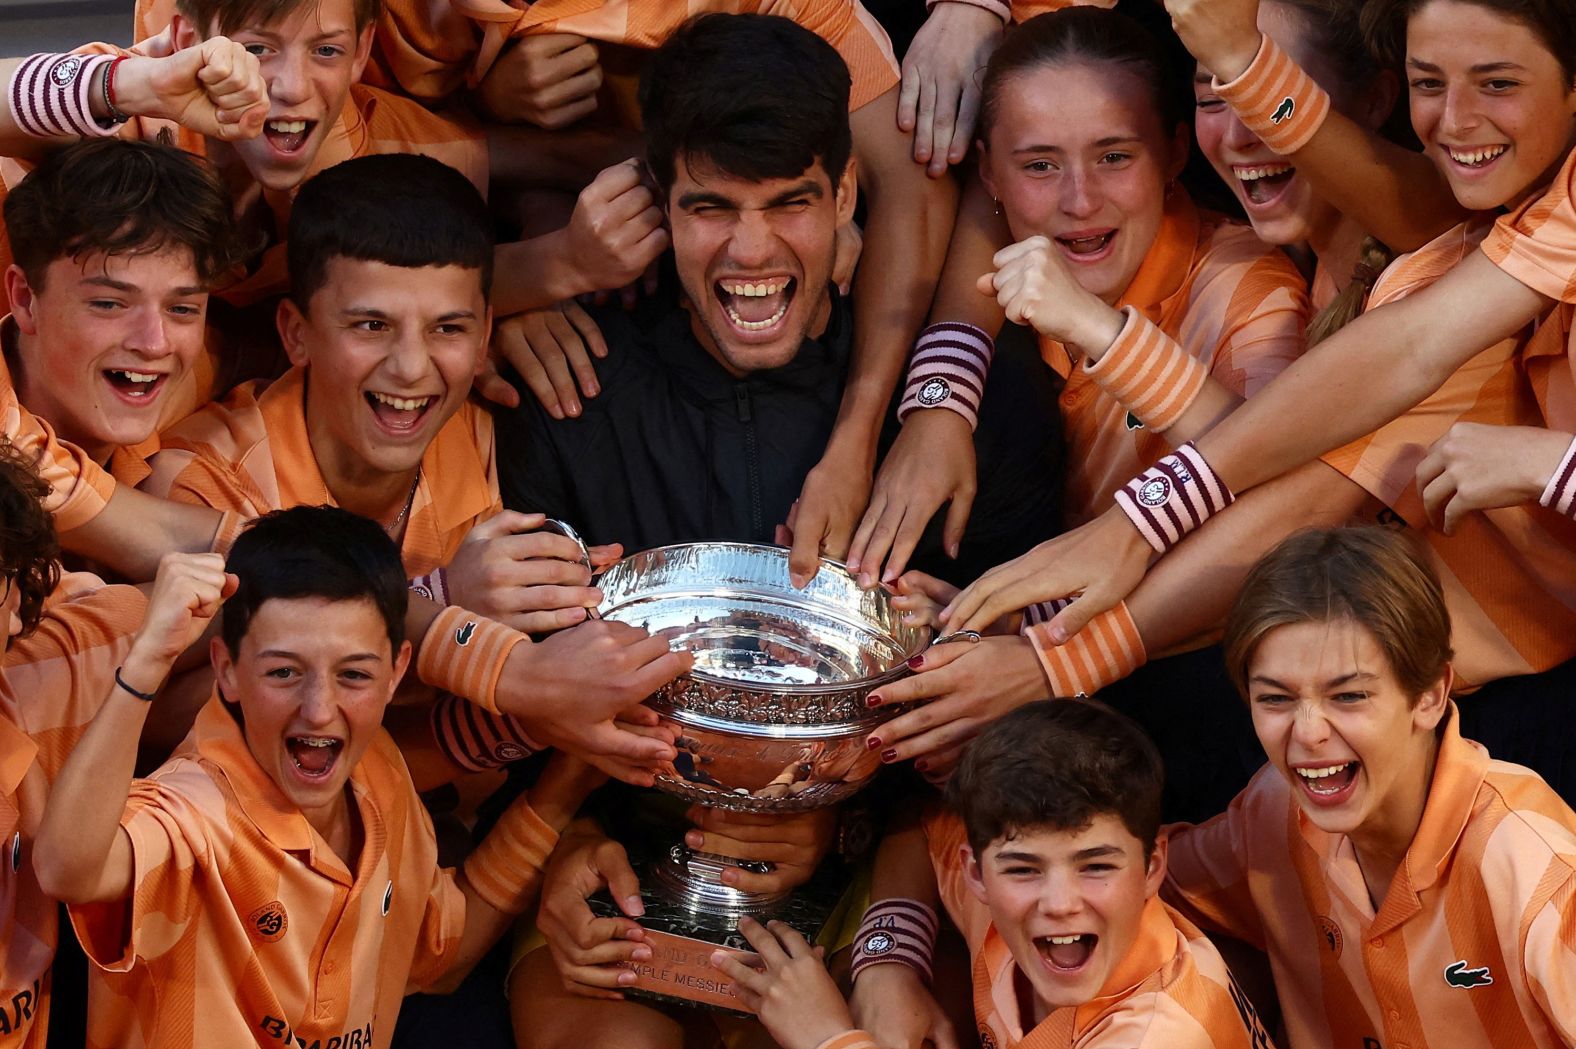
(464, 653)
(51, 96)
(1002, 9)
(896, 930)
(434, 587)
(1148, 373)
(476, 739)
(948, 370)
(1276, 100)
(1106, 650)
(506, 868)
(1173, 497)
(1559, 494)
(849, 1040)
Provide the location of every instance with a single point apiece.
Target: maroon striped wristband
(477, 739)
(51, 96)
(948, 370)
(1559, 494)
(1173, 497)
(896, 930)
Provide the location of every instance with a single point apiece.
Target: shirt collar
(17, 751)
(1459, 771)
(1168, 261)
(453, 489)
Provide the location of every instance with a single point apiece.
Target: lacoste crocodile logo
(463, 635)
(1133, 422)
(1283, 111)
(1458, 975)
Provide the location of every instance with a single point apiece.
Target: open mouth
(399, 415)
(1087, 247)
(1328, 783)
(1477, 157)
(314, 756)
(288, 136)
(137, 387)
(756, 306)
(1066, 954)
(1264, 183)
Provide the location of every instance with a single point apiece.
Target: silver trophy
(771, 719)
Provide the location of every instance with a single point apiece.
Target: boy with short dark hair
(278, 881)
(1051, 870)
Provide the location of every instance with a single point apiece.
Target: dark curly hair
(29, 551)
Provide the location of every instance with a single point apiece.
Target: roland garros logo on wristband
(65, 71)
(1155, 492)
(879, 942)
(934, 392)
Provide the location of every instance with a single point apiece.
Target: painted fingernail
(916, 662)
(889, 755)
(920, 764)
(873, 700)
(872, 743)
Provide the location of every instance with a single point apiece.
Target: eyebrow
(1104, 143)
(270, 35)
(1334, 682)
(694, 198)
(281, 653)
(1481, 68)
(382, 315)
(1095, 852)
(120, 285)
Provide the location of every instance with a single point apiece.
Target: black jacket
(674, 449)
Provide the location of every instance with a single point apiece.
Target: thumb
(508, 522)
(232, 583)
(986, 284)
(495, 387)
(1066, 624)
(622, 885)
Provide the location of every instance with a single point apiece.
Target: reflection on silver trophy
(773, 716)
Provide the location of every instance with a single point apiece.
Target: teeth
(315, 741)
(1474, 157)
(754, 291)
(287, 127)
(135, 376)
(404, 404)
(745, 325)
(1324, 773)
(1063, 941)
(1262, 171)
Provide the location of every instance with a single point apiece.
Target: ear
(1381, 100)
(1155, 876)
(1433, 704)
(24, 302)
(401, 664)
(291, 323)
(983, 152)
(973, 877)
(223, 667)
(487, 330)
(183, 32)
(847, 192)
(363, 50)
(1181, 140)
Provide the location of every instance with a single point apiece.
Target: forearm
(567, 159)
(136, 529)
(910, 222)
(533, 273)
(902, 868)
(980, 232)
(81, 856)
(1330, 396)
(1186, 594)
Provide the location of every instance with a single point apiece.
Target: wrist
(145, 672)
(1233, 58)
(135, 94)
(1099, 325)
(1000, 10)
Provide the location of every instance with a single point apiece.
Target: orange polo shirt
(432, 50)
(1171, 990)
(1473, 945)
(1236, 304)
(52, 683)
(243, 926)
(1509, 573)
(1536, 242)
(251, 454)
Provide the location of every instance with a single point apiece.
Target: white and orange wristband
(1276, 100)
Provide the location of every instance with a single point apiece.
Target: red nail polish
(872, 743)
(889, 756)
(916, 662)
(873, 700)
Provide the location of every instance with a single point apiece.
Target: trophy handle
(565, 529)
(693, 880)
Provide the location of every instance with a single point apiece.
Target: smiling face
(1077, 154)
(1281, 205)
(312, 678)
(390, 353)
(309, 58)
(1332, 718)
(1490, 102)
(104, 340)
(1068, 904)
(755, 258)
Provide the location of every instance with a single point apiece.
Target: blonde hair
(1373, 576)
(1372, 258)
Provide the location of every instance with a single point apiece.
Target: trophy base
(687, 919)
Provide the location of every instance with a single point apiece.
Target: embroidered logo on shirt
(1133, 422)
(1284, 110)
(388, 898)
(1155, 492)
(463, 635)
(269, 921)
(987, 1040)
(934, 392)
(1332, 935)
(1458, 975)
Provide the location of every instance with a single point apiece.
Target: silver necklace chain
(410, 500)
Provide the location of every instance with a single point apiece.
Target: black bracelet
(146, 697)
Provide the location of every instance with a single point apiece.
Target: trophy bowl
(772, 718)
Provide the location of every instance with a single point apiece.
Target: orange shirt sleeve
(1549, 958)
(944, 833)
(1536, 242)
(1207, 868)
(222, 486)
(79, 488)
(1262, 303)
(443, 921)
